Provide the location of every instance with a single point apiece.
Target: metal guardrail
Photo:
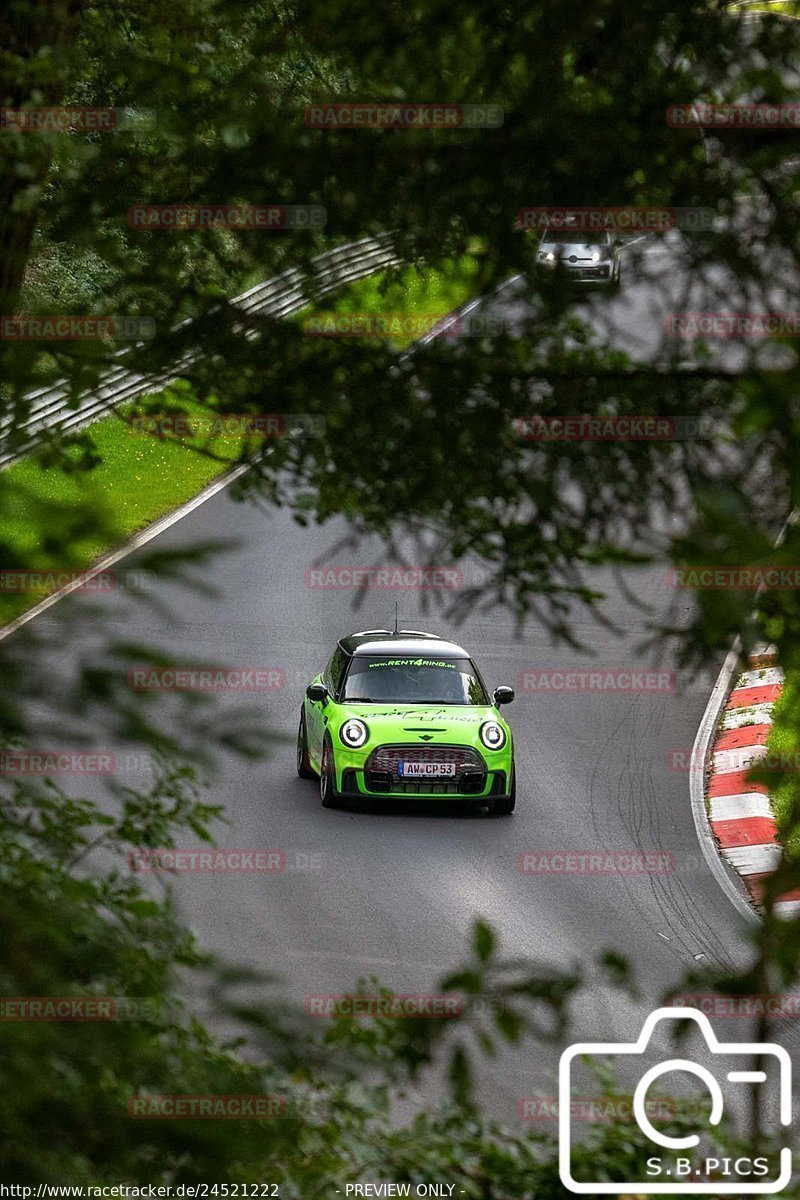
(51, 409)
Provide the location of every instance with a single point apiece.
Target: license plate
(426, 770)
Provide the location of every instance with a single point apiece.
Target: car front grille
(381, 770)
(591, 272)
(386, 758)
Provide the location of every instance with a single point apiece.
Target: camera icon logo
(671, 1170)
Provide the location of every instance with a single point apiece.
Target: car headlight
(595, 256)
(493, 735)
(354, 733)
(549, 256)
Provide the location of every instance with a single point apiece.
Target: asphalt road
(393, 892)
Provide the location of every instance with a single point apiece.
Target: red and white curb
(739, 810)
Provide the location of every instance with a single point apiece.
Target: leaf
(484, 941)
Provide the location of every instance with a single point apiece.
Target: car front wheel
(505, 806)
(304, 768)
(327, 777)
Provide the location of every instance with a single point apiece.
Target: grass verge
(84, 514)
(139, 478)
(411, 304)
(787, 8)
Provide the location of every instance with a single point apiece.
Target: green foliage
(783, 746)
(584, 99)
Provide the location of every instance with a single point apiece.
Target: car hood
(422, 713)
(580, 249)
(409, 722)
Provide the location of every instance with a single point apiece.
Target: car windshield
(375, 679)
(576, 237)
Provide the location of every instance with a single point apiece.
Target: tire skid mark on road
(674, 887)
(670, 894)
(678, 891)
(630, 818)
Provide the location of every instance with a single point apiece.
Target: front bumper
(602, 273)
(377, 775)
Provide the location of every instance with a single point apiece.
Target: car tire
(616, 282)
(304, 768)
(505, 805)
(327, 776)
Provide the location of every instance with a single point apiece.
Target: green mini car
(405, 714)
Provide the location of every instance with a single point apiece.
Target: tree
(584, 104)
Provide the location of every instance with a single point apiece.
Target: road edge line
(153, 530)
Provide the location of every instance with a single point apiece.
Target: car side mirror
(317, 692)
(503, 695)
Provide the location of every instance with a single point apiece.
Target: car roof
(404, 641)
